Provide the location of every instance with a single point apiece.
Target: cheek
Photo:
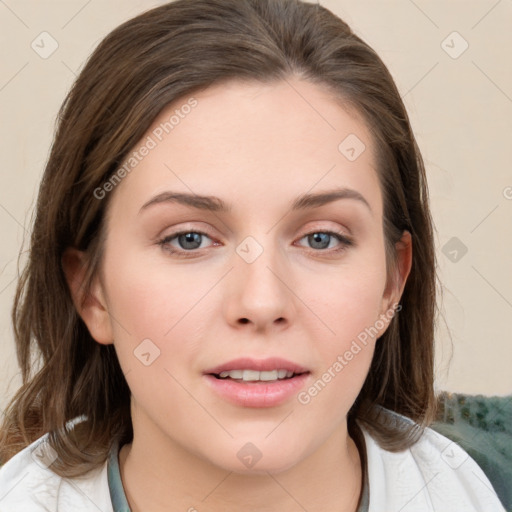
(349, 305)
(150, 296)
(349, 300)
(344, 353)
(154, 319)
(155, 308)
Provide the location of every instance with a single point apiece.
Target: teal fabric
(482, 426)
(365, 499)
(115, 485)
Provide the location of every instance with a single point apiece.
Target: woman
(232, 280)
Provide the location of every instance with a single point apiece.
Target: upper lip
(247, 363)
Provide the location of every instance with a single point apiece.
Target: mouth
(248, 382)
(248, 376)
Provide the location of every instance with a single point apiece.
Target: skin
(257, 147)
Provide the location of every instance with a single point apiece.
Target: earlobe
(90, 304)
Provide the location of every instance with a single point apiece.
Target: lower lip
(257, 394)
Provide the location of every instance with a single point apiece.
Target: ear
(396, 282)
(90, 305)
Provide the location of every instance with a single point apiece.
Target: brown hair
(139, 68)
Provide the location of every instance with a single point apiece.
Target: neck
(158, 474)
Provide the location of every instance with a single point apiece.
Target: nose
(260, 292)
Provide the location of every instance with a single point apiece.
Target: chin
(257, 458)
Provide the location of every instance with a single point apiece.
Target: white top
(434, 475)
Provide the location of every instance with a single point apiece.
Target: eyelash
(345, 242)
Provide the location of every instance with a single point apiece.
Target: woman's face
(278, 164)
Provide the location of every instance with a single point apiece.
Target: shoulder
(27, 483)
(434, 474)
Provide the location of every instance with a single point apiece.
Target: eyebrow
(321, 198)
(211, 203)
(215, 204)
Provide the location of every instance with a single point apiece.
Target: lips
(248, 382)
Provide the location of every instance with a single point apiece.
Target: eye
(190, 241)
(187, 241)
(321, 240)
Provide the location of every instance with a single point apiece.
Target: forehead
(256, 142)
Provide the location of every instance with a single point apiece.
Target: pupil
(190, 238)
(318, 238)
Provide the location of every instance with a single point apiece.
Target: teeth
(272, 375)
(254, 375)
(234, 374)
(250, 375)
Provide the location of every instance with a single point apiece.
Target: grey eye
(319, 240)
(190, 240)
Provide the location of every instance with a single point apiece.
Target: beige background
(460, 105)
